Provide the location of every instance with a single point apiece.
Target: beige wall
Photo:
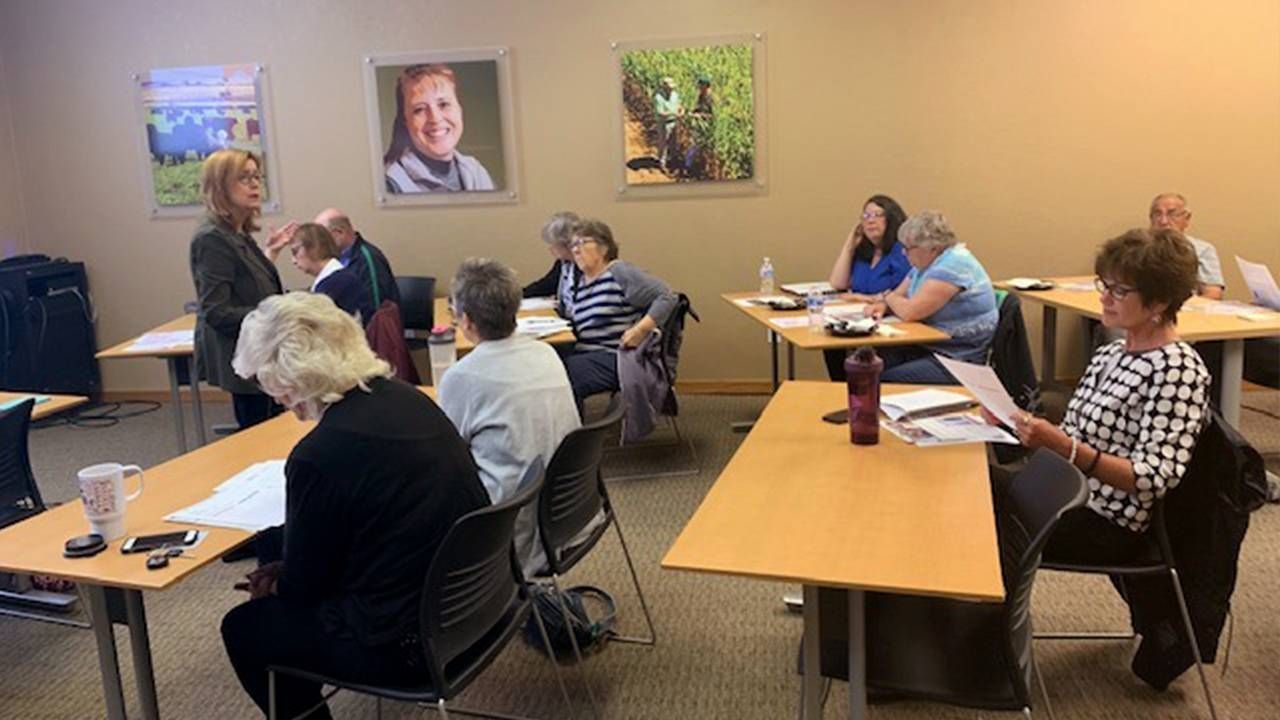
(1041, 128)
(13, 226)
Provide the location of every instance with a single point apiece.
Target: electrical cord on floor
(100, 414)
(1261, 411)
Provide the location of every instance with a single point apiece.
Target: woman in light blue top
(947, 288)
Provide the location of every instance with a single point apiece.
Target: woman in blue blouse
(947, 288)
(870, 262)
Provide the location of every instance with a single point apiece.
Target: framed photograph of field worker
(691, 116)
(441, 127)
(186, 114)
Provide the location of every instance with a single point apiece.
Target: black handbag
(590, 634)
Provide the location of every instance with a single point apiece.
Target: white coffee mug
(102, 490)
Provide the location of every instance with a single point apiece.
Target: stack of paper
(922, 402)
(541, 326)
(808, 287)
(163, 340)
(251, 500)
(1261, 284)
(844, 311)
(949, 430)
(538, 303)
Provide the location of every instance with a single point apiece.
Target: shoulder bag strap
(373, 275)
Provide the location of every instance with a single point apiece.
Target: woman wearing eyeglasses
(1134, 418)
(232, 274)
(870, 262)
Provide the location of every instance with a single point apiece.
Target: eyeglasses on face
(872, 215)
(1115, 290)
(1168, 214)
(250, 179)
(579, 242)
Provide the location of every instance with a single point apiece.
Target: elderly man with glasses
(1169, 211)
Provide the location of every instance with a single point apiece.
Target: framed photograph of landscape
(186, 114)
(690, 117)
(441, 127)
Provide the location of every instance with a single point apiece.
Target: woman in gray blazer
(232, 274)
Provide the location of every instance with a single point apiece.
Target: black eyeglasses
(1115, 290)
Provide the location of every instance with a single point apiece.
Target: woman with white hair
(559, 280)
(370, 493)
(946, 288)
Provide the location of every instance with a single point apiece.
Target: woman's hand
(262, 581)
(279, 239)
(875, 310)
(1036, 432)
(634, 335)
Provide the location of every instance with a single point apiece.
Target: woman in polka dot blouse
(1132, 422)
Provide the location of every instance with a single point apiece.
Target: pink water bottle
(862, 369)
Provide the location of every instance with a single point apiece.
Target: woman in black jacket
(232, 274)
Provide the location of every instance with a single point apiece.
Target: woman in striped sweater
(615, 307)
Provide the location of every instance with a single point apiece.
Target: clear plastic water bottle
(766, 277)
(815, 301)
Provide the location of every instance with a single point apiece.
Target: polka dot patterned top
(1147, 407)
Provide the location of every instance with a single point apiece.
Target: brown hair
(216, 175)
(316, 241)
(400, 140)
(1160, 264)
(600, 232)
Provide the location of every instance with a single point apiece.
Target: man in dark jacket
(358, 255)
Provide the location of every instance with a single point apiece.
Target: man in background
(1169, 210)
(361, 257)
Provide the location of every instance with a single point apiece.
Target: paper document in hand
(922, 402)
(981, 380)
(538, 303)
(163, 340)
(1261, 283)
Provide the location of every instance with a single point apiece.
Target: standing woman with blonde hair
(232, 274)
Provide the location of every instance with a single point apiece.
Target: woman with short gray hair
(559, 280)
(946, 288)
(509, 397)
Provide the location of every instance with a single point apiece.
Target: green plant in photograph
(719, 145)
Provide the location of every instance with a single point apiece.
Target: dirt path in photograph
(638, 146)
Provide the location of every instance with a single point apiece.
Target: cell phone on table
(837, 417)
(147, 543)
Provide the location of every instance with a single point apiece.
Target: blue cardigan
(349, 293)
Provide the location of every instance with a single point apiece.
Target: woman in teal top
(947, 288)
(870, 262)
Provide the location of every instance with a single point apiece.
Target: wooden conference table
(178, 358)
(804, 338)
(444, 312)
(54, 405)
(1194, 325)
(113, 583)
(799, 503)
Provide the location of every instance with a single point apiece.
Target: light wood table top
(125, 350)
(443, 314)
(54, 405)
(799, 503)
(1194, 324)
(35, 545)
(802, 337)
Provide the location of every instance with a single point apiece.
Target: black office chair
(20, 499)
(474, 600)
(573, 497)
(965, 653)
(417, 307)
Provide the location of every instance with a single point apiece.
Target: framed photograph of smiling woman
(441, 127)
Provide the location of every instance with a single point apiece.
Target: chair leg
(444, 711)
(555, 663)
(577, 651)
(635, 580)
(1044, 691)
(679, 441)
(1191, 636)
(377, 708)
(271, 695)
(1231, 632)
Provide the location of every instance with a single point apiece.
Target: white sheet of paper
(163, 340)
(268, 474)
(844, 311)
(1078, 287)
(250, 509)
(1262, 285)
(981, 380)
(901, 404)
(964, 428)
(804, 288)
(538, 303)
(790, 322)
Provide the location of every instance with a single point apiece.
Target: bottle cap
(441, 334)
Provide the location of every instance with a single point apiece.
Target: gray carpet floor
(726, 647)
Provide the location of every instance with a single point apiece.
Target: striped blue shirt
(601, 313)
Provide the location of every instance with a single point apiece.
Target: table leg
(791, 361)
(140, 645)
(1049, 348)
(1232, 374)
(197, 404)
(811, 681)
(773, 348)
(857, 656)
(175, 397)
(108, 663)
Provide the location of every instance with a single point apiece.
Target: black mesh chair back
(417, 301)
(475, 597)
(574, 493)
(19, 496)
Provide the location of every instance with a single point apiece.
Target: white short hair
(303, 344)
(928, 228)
